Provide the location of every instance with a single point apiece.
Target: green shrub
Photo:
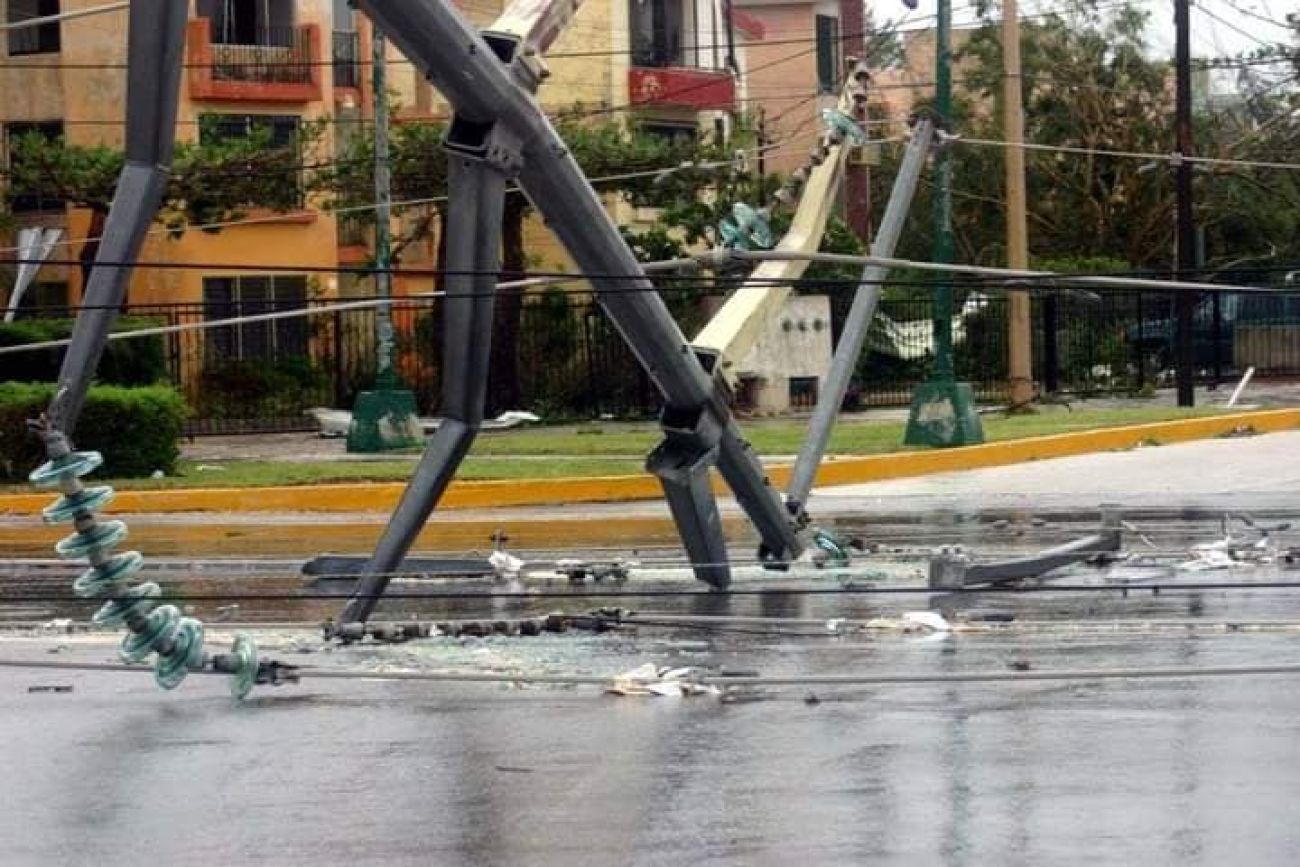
(140, 361)
(136, 429)
(249, 388)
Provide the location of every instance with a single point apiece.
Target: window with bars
(41, 39)
(657, 28)
(249, 22)
(347, 47)
(24, 200)
(249, 295)
(828, 53)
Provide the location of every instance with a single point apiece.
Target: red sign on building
(676, 85)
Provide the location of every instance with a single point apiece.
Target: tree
(212, 181)
(1088, 84)
(1091, 85)
(603, 147)
(419, 180)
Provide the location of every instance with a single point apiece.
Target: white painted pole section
(1241, 386)
(36, 244)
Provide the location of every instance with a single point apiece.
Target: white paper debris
(650, 679)
(506, 565)
(930, 620)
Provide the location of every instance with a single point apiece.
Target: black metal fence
(266, 375)
(570, 362)
(1115, 342)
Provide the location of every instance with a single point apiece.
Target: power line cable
(1250, 13)
(412, 203)
(1171, 158)
(295, 673)
(591, 591)
(298, 312)
(1204, 9)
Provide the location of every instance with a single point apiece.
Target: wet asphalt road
(1178, 772)
(369, 772)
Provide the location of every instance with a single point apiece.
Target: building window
(230, 297)
(657, 27)
(41, 39)
(828, 54)
(674, 133)
(249, 22)
(30, 200)
(347, 47)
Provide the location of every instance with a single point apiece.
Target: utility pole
(384, 378)
(943, 410)
(857, 185)
(1187, 298)
(1019, 333)
(384, 418)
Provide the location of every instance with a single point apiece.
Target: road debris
(653, 680)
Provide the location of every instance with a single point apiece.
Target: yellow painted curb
(381, 497)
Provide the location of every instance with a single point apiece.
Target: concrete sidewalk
(1248, 473)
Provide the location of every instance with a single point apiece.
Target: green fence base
(943, 415)
(384, 420)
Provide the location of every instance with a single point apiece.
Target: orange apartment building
(671, 67)
(664, 64)
(793, 74)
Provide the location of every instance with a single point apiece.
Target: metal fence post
(1051, 359)
(340, 380)
(1137, 347)
(1217, 337)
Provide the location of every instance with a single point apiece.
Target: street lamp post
(943, 410)
(385, 417)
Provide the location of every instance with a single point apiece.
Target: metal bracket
(479, 74)
(952, 570)
(681, 463)
(492, 144)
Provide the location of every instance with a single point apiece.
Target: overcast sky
(1241, 29)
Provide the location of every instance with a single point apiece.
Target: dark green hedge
(140, 361)
(136, 429)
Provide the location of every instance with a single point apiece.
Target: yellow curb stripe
(381, 497)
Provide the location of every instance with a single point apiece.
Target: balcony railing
(347, 59)
(283, 65)
(279, 55)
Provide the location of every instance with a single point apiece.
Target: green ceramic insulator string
(152, 629)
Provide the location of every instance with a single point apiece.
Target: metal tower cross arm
(488, 79)
(856, 325)
(155, 47)
(477, 198)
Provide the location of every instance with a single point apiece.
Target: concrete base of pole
(384, 420)
(943, 415)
